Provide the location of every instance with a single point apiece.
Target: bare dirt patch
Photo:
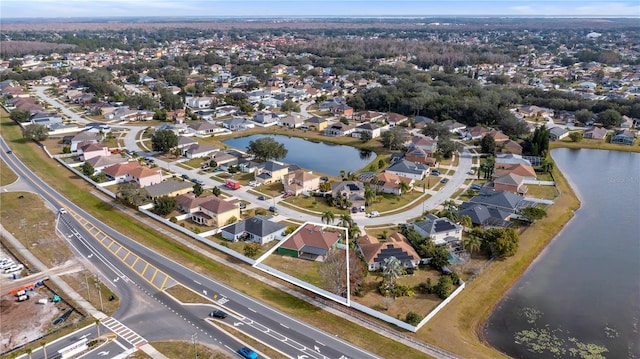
(23, 322)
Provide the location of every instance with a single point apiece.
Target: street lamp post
(99, 293)
(86, 281)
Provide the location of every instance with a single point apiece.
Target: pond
(318, 157)
(581, 297)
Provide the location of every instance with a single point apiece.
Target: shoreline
(459, 327)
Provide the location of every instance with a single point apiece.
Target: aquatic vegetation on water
(531, 314)
(540, 340)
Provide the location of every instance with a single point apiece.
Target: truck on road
(232, 184)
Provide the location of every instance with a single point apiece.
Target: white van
(14, 268)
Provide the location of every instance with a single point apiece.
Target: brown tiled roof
(371, 247)
(217, 205)
(120, 169)
(142, 172)
(311, 235)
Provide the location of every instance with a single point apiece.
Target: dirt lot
(23, 322)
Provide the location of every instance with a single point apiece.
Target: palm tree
(472, 243)
(97, 321)
(369, 195)
(404, 187)
(346, 220)
(355, 232)
(451, 210)
(328, 217)
(466, 221)
(391, 270)
(342, 173)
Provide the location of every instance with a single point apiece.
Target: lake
(315, 156)
(581, 296)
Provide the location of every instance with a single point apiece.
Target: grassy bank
(458, 326)
(593, 144)
(6, 175)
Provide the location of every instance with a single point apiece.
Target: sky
(313, 8)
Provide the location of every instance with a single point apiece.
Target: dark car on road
(262, 198)
(218, 314)
(273, 209)
(444, 180)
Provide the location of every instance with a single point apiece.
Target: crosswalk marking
(124, 332)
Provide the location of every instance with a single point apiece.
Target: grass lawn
(420, 303)
(543, 176)
(385, 202)
(7, 176)
(194, 162)
(300, 268)
(186, 295)
(78, 282)
(593, 144)
(317, 204)
(543, 192)
(239, 246)
(33, 223)
(182, 349)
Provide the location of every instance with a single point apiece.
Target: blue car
(248, 353)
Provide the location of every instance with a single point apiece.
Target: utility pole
(99, 293)
(86, 281)
(195, 349)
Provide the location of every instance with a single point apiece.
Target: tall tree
(610, 118)
(198, 190)
(164, 140)
(164, 205)
(391, 270)
(488, 144)
(35, 132)
(404, 187)
(267, 148)
(328, 217)
(472, 243)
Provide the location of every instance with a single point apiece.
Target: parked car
(273, 209)
(471, 172)
(218, 314)
(262, 198)
(243, 205)
(435, 173)
(373, 214)
(247, 353)
(185, 177)
(444, 180)
(9, 152)
(476, 187)
(354, 209)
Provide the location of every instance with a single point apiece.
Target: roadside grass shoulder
(7, 176)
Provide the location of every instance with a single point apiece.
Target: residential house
(198, 151)
(511, 158)
(189, 203)
(266, 118)
(45, 119)
(317, 124)
(374, 252)
(426, 143)
(412, 170)
(527, 172)
(259, 229)
(510, 182)
(368, 116)
(498, 136)
(100, 162)
(203, 128)
(596, 133)
(292, 121)
(534, 111)
(300, 181)
(337, 106)
(271, 171)
(198, 102)
(557, 133)
(238, 124)
(186, 142)
(623, 137)
(477, 132)
(349, 190)
(505, 201)
(90, 150)
(144, 176)
(310, 242)
(84, 137)
(509, 146)
(421, 121)
(170, 188)
(372, 129)
(215, 212)
(387, 182)
(487, 217)
(454, 126)
(394, 119)
(118, 172)
(224, 159)
(339, 129)
(439, 230)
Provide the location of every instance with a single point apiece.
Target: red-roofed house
(300, 181)
(118, 172)
(387, 182)
(91, 150)
(310, 242)
(144, 176)
(498, 136)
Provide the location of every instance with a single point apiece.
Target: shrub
(173, 220)
(413, 318)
